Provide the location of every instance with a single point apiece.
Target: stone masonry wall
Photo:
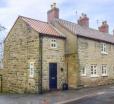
(21, 48)
(53, 55)
(71, 56)
(90, 53)
(1, 73)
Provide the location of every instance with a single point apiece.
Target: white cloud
(38, 9)
(35, 9)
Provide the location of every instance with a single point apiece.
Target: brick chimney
(104, 27)
(83, 20)
(53, 13)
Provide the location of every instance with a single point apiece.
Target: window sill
(94, 76)
(53, 47)
(105, 53)
(104, 75)
(31, 77)
(83, 75)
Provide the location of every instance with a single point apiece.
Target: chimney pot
(53, 13)
(113, 31)
(51, 6)
(83, 20)
(104, 27)
(54, 5)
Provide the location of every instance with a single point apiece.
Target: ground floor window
(83, 71)
(31, 70)
(94, 70)
(104, 70)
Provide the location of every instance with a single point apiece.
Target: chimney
(104, 27)
(53, 13)
(113, 32)
(83, 20)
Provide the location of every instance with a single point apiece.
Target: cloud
(96, 9)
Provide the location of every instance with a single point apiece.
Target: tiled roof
(42, 27)
(85, 32)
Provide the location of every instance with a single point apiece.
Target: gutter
(99, 40)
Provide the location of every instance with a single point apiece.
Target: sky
(69, 10)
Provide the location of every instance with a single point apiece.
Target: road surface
(103, 97)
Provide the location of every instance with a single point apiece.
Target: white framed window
(93, 69)
(53, 43)
(104, 48)
(31, 70)
(83, 71)
(104, 70)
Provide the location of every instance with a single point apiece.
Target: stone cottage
(41, 56)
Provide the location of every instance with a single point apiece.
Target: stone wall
(21, 48)
(53, 55)
(71, 56)
(89, 52)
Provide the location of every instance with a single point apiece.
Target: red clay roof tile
(42, 27)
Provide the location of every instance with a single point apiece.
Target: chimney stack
(113, 32)
(53, 13)
(83, 20)
(104, 27)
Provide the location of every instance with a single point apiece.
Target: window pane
(93, 69)
(53, 43)
(104, 69)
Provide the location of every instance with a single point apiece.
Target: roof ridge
(33, 19)
(93, 29)
(56, 29)
(85, 32)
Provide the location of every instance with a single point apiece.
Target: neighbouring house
(41, 56)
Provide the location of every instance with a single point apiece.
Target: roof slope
(42, 27)
(85, 32)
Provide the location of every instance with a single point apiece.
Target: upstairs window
(53, 43)
(104, 70)
(104, 48)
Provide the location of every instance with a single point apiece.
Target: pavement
(96, 95)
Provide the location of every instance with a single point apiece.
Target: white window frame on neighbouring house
(104, 48)
(104, 70)
(83, 71)
(31, 70)
(53, 43)
(93, 69)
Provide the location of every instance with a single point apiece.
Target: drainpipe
(40, 48)
(67, 72)
(1, 83)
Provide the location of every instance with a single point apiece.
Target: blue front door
(53, 75)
